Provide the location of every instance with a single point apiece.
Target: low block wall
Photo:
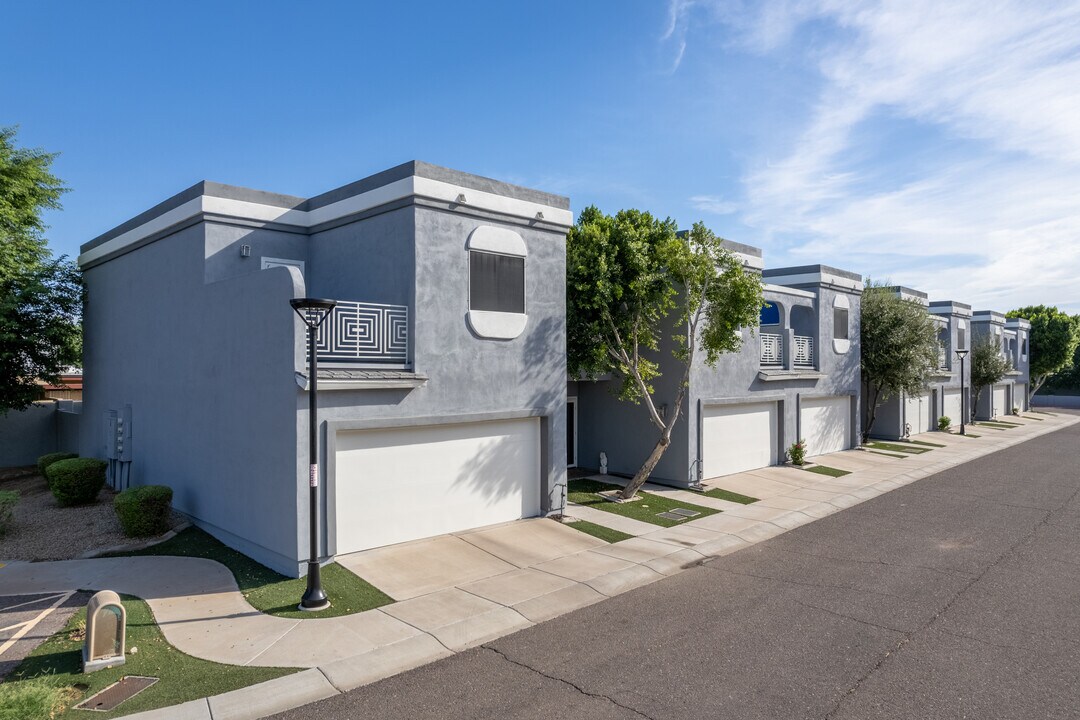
(42, 428)
(1062, 401)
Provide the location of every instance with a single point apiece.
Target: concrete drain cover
(684, 512)
(671, 516)
(121, 690)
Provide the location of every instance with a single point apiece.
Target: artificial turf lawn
(182, 677)
(831, 472)
(923, 442)
(269, 591)
(721, 494)
(584, 492)
(895, 447)
(599, 531)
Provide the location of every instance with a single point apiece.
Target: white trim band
(413, 186)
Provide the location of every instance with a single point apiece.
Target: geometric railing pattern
(804, 350)
(359, 332)
(772, 349)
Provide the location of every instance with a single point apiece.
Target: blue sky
(933, 144)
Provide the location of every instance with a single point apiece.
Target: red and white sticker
(313, 475)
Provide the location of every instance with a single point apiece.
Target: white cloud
(997, 222)
(713, 204)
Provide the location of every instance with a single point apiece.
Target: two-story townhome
(954, 334)
(796, 376)
(1011, 337)
(1018, 334)
(903, 415)
(442, 382)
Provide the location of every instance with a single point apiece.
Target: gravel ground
(42, 530)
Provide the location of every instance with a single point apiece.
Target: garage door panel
(999, 401)
(953, 406)
(1020, 396)
(398, 484)
(918, 414)
(736, 438)
(825, 424)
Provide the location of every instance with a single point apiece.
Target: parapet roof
(411, 179)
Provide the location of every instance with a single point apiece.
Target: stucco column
(789, 349)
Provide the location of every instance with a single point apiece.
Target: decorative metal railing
(359, 332)
(804, 351)
(772, 349)
(941, 362)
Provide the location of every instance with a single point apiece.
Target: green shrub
(944, 423)
(797, 452)
(45, 461)
(76, 481)
(144, 511)
(8, 499)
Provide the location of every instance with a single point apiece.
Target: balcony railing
(772, 349)
(359, 333)
(804, 351)
(941, 363)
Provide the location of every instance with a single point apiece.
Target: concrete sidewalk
(455, 592)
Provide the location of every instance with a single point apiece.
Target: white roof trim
(784, 290)
(817, 278)
(406, 187)
(750, 261)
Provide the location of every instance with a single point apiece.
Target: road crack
(1010, 551)
(575, 686)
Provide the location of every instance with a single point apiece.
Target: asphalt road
(957, 596)
(26, 621)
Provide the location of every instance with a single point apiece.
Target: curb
(91, 554)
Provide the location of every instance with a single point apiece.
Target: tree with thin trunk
(899, 348)
(631, 278)
(988, 366)
(1053, 340)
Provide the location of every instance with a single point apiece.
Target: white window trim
(487, 323)
(268, 262)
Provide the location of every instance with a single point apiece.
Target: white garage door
(953, 406)
(825, 424)
(399, 484)
(1020, 396)
(1000, 401)
(738, 437)
(918, 414)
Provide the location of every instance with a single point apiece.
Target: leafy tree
(1054, 338)
(988, 366)
(899, 347)
(40, 297)
(631, 278)
(27, 187)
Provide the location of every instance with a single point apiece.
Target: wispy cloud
(989, 91)
(713, 204)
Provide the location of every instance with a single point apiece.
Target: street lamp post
(963, 392)
(313, 312)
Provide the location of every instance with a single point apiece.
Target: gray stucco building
(902, 415)
(796, 376)
(442, 372)
(1011, 336)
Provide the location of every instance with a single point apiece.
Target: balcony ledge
(344, 379)
(797, 374)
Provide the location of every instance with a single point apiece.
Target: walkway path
(456, 592)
